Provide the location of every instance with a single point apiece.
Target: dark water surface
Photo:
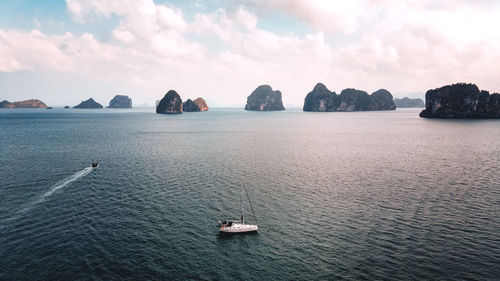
(364, 195)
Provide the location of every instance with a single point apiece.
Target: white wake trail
(65, 182)
(54, 188)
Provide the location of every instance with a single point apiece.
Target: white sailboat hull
(238, 228)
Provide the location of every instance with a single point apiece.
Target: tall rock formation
(31, 103)
(354, 100)
(461, 101)
(120, 101)
(90, 103)
(382, 100)
(171, 103)
(264, 99)
(200, 102)
(190, 106)
(321, 99)
(409, 103)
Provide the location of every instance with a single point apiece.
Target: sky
(63, 52)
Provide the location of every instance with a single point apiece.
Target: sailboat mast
(242, 209)
(251, 207)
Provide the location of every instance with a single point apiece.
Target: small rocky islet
(197, 105)
(31, 103)
(201, 103)
(190, 106)
(120, 101)
(87, 104)
(461, 100)
(320, 99)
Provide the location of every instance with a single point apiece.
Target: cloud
(30, 50)
(325, 15)
(240, 35)
(245, 18)
(143, 25)
(426, 46)
(147, 34)
(404, 46)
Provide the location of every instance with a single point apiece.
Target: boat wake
(60, 184)
(65, 182)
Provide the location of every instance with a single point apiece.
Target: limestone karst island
(87, 104)
(263, 98)
(464, 101)
(172, 103)
(321, 99)
(120, 101)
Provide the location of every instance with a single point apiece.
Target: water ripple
(378, 196)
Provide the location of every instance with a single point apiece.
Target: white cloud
(245, 18)
(326, 15)
(408, 45)
(405, 46)
(170, 19)
(29, 50)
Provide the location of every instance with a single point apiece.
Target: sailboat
(239, 226)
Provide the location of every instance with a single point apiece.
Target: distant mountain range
(409, 103)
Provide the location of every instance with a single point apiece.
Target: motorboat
(95, 164)
(239, 226)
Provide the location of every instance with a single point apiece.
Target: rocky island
(120, 101)
(201, 103)
(461, 101)
(381, 100)
(197, 105)
(6, 104)
(31, 103)
(90, 103)
(409, 103)
(190, 106)
(320, 99)
(171, 103)
(264, 99)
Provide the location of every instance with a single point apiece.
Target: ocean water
(338, 196)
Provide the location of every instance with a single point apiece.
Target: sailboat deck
(238, 227)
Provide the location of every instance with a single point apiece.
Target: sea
(337, 196)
